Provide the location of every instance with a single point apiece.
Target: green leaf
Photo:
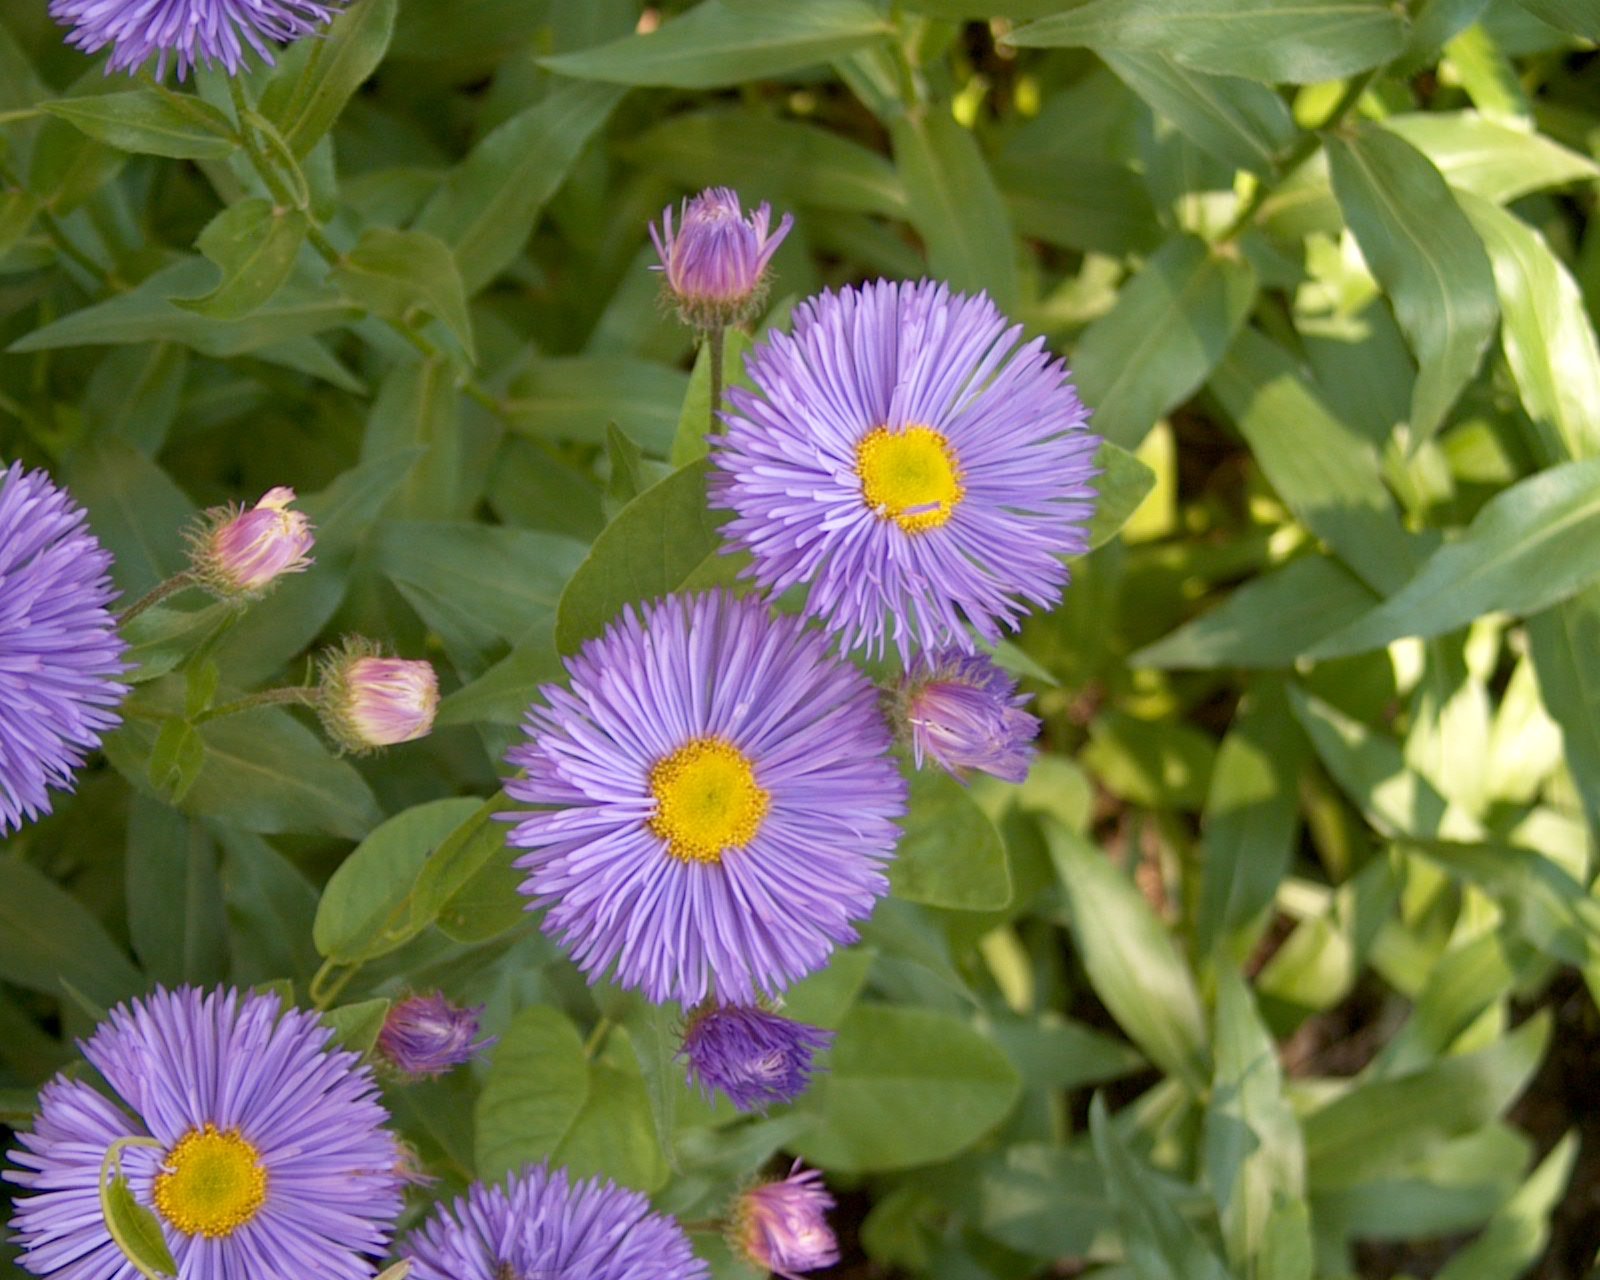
(1491, 158)
(694, 422)
(1254, 1155)
(1163, 766)
(1252, 815)
(473, 845)
(545, 1100)
(1243, 124)
(1576, 16)
(764, 156)
(1123, 484)
(1170, 326)
(17, 210)
(1301, 41)
(1160, 1245)
(891, 1069)
(335, 65)
(1131, 961)
(1325, 471)
(356, 1026)
(489, 205)
(1382, 1125)
(955, 206)
(716, 44)
(1562, 642)
(389, 272)
(136, 1230)
(653, 547)
(175, 906)
(151, 123)
(255, 245)
(1548, 339)
(48, 938)
(1531, 546)
(950, 854)
(135, 510)
(176, 758)
(1517, 1235)
(365, 910)
(574, 398)
(1425, 254)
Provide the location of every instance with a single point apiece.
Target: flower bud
(368, 701)
(428, 1036)
(756, 1058)
(965, 713)
(238, 552)
(783, 1226)
(715, 260)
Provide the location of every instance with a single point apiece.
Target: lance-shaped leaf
(149, 123)
(331, 68)
(390, 272)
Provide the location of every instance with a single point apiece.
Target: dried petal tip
(368, 701)
(428, 1036)
(239, 553)
(965, 714)
(188, 32)
(783, 1226)
(716, 258)
(755, 1057)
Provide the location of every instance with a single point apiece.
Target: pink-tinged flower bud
(965, 713)
(428, 1036)
(368, 701)
(783, 1226)
(716, 258)
(239, 552)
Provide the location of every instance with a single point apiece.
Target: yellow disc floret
(211, 1183)
(707, 800)
(909, 476)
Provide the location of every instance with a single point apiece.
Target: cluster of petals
(187, 33)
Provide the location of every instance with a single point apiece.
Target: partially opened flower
(238, 553)
(715, 801)
(369, 701)
(541, 1226)
(187, 32)
(910, 464)
(965, 714)
(60, 653)
(428, 1036)
(783, 1226)
(716, 259)
(754, 1057)
(269, 1155)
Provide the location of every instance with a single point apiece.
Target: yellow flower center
(909, 476)
(211, 1183)
(707, 800)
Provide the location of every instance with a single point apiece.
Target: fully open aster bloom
(717, 801)
(716, 260)
(909, 461)
(60, 652)
(755, 1057)
(540, 1226)
(783, 1226)
(964, 713)
(272, 1159)
(188, 32)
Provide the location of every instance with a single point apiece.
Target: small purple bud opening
(368, 701)
(240, 552)
(754, 1057)
(964, 713)
(783, 1226)
(716, 258)
(428, 1036)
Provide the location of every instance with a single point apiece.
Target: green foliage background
(1303, 882)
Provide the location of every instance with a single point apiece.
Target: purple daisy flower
(716, 260)
(906, 459)
(755, 1057)
(187, 31)
(718, 801)
(273, 1159)
(540, 1226)
(428, 1036)
(60, 652)
(965, 713)
(782, 1226)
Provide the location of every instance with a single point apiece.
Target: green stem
(1302, 151)
(178, 582)
(325, 988)
(17, 117)
(597, 1037)
(299, 694)
(715, 340)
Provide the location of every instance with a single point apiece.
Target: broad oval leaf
(136, 1230)
(950, 854)
(255, 245)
